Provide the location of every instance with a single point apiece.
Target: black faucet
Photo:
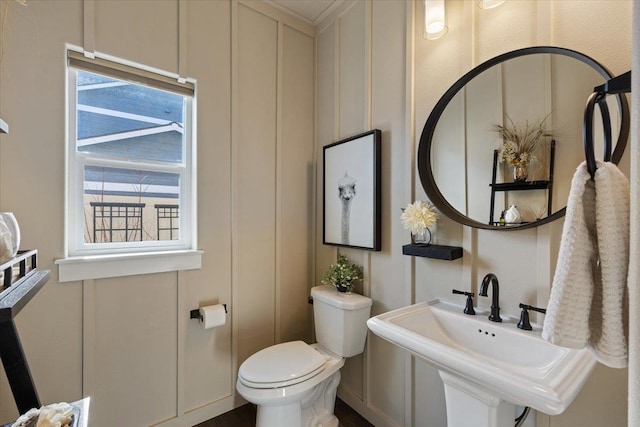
(495, 293)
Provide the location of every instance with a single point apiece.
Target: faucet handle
(524, 316)
(468, 309)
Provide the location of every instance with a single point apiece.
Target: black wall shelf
(448, 253)
(521, 186)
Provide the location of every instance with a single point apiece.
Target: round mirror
(463, 155)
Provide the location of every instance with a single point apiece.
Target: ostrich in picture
(346, 192)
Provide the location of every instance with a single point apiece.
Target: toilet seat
(281, 365)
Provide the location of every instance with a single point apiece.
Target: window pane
(127, 205)
(122, 119)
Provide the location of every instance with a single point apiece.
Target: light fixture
(489, 4)
(434, 21)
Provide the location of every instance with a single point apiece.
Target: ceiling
(312, 11)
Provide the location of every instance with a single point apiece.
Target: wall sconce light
(434, 21)
(489, 4)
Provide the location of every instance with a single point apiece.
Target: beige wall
(373, 49)
(256, 198)
(127, 342)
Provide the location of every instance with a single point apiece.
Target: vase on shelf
(422, 239)
(520, 173)
(9, 236)
(512, 215)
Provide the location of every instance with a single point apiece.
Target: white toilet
(294, 384)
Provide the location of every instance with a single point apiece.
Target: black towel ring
(616, 85)
(587, 130)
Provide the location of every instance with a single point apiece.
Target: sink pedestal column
(469, 405)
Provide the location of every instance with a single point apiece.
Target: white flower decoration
(418, 216)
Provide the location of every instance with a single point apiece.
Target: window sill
(105, 266)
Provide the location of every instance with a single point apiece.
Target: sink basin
(514, 365)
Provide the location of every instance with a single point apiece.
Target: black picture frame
(351, 192)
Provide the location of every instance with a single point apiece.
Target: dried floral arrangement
(519, 143)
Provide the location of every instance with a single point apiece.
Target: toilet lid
(281, 365)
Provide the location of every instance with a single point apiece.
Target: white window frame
(97, 259)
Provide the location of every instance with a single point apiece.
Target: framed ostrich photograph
(351, 192)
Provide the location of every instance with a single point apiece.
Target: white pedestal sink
(487, 367)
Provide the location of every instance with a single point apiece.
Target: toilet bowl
(298, 389)
(294, 384)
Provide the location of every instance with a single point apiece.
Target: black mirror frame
(424, 148)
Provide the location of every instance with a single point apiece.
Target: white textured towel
(588, 306)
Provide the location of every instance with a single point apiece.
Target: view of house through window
(130, 147)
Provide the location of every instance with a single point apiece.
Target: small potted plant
(342, 274)
(418, 217)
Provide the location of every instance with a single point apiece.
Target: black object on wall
(424, 155)
(616, 85)
(13, 297)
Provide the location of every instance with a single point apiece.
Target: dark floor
(245, 416)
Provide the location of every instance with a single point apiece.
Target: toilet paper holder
(195, 314)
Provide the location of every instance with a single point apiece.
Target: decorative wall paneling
(272, 179)
(353, 106)
(34, 60)
(348, 102)
(253, 179)
(207, 370)
(127, 341)
(430, 68)
(296, 197)
(408, 190)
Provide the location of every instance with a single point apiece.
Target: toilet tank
(340, 320)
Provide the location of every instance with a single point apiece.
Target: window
(130, 160)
